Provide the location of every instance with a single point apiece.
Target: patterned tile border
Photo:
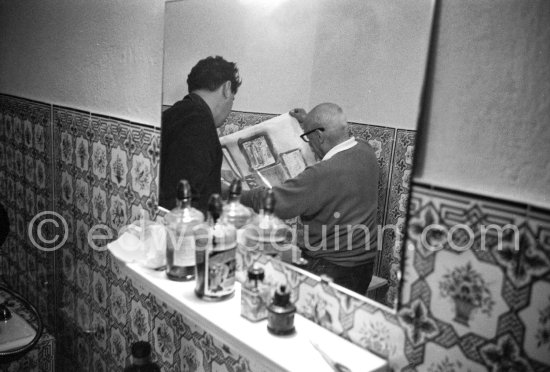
(487, 303)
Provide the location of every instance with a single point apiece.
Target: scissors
(337, 367)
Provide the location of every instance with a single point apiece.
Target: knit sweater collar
(343, 146)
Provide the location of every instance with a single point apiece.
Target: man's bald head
(332, 119)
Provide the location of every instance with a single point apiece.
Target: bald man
(336, 200)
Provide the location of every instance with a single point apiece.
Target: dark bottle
(234, 212)
(216, 247)
(180, 240)
(141, 358)
(280, 317)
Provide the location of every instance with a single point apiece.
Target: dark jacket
(191, 150)
(4, 224)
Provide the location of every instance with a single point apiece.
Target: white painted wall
(488, 128)
(103, 56)
(367, 56)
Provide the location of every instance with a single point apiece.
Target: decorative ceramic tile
(396, 211)
(163, 340)
(472, 270)
(504, 355)
(381, 139)
(118, 347)
(466, 293)
(452, 359)
(237, 121)
(99, 289)
(118, 305)
(140, 322)
(537, 323)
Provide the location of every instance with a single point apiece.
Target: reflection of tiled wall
(482, 308)
(26, 190)
(394, 149)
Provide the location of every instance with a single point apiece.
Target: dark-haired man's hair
(211, 72)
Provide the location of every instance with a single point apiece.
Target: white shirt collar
(346, 145)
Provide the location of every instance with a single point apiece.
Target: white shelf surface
(252, 340)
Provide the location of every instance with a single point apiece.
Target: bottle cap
(215, 206)
(256, 273)
(236, 187)
(141, 349)
(183, 191)
(281, 297)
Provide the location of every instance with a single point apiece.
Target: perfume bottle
(180, 239)
(280, 318)
(266, 233)
(253, 293)
(216, 246)
(234, 212)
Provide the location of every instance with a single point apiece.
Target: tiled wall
(104, 170)
(94, 170)
(470, 302)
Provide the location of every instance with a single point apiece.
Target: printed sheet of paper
(266, 154)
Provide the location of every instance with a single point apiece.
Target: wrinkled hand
(299, 114)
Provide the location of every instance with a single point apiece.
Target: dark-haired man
(190, 147)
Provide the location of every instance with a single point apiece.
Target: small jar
(280, 318)
(253, 304)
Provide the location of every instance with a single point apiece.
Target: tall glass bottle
(234, 212)
(180, 240)
(216, 245)
(266, 233)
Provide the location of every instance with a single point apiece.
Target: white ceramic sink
(15, 332)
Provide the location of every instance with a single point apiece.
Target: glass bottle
(266, 233)
(141, 358)
(253, 293)
(216, 246)
(180, 240)
(280, 319)
(234, 212)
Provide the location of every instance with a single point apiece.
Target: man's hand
(299, 114)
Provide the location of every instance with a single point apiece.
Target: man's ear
(226, 89)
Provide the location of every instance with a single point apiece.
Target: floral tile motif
(478, 266)
(118, 348)
(537, 323)
(374, 332)
(505, 355)
(163, 340)
(313, 304)
(100, 335)
(140, 322)
(118, 305)
(441, 359)
(99, 289)
(466, 293)
(381, 140)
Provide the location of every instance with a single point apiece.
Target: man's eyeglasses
(304, 136)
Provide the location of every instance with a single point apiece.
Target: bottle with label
(216, 246)
(141, 358)
(234, 212)
(267, 233)
(180, 239)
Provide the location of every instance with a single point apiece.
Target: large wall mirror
(368, 56)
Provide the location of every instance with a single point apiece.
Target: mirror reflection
(345, 76)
